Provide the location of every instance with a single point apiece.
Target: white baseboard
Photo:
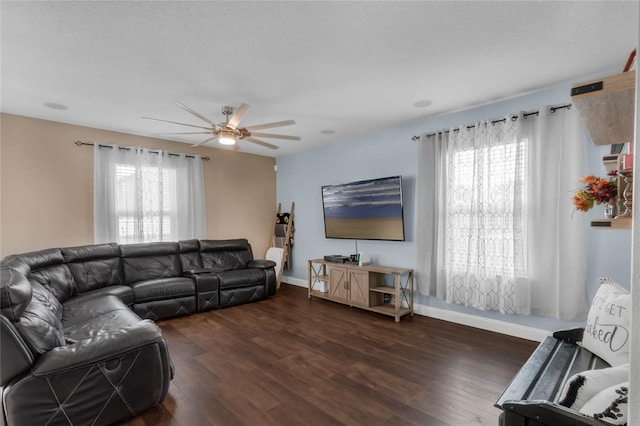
(489, 324)
(295, 281)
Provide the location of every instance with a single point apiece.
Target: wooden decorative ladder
(283, 238)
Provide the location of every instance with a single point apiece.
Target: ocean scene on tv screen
(369, 209)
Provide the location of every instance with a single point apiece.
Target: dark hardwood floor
(291, 361)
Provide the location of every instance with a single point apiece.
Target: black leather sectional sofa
(78, 345)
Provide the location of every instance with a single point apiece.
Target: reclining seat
(93, 363)
(97, 270)
(154, 273)
(241, 278)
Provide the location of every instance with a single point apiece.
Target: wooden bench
(532, 397)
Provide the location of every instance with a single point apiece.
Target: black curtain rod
(513, 118)
(80, 143)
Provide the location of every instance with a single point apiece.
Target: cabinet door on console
(359, 287)
(338, 283)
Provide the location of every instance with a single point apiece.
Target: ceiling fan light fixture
(227, 138)
(229, 133)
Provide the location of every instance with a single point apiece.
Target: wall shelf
(625, 196)
(622, 223)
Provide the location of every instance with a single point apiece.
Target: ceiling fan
(229, 133)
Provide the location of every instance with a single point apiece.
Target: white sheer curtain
(142, 196)
(495, 223)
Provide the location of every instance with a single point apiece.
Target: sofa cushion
(105, 321)
(162, 289)
(150, 261)
(610, 405)
(122, 292)
(190, 255)
(40, 324)
(57, 279)
(94, 266)
(15, 292)
(80, 310)
(48, 269)
(583, 386)
(225, 255)
(609, 323)
(241, 278)
(42, 258)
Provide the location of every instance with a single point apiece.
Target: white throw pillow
(583, 386)
(607, 331)
(610, 405)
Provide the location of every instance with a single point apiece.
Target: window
(486, 209)
(495, 225)
(486, 216)
(147, 213)
(145, 196)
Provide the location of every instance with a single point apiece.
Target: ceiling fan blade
(259, 142)
(271, 125)
(197, 114)
(238, 115)
(204, 141)
(274, 136)
(184, 133)
(175, 122)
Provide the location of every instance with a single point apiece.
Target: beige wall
(46, 186)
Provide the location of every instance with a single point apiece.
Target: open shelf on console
(389, 309)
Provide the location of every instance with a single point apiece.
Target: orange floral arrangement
(595, 191)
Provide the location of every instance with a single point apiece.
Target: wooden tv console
(363, 286)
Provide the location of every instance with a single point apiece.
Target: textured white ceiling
(353, 67)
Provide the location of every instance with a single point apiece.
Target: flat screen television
(364, 210)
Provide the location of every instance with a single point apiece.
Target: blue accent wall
(392, 152)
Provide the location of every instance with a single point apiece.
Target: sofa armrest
(206, 290)
(14, 353)
(268, 266)
(261, 264)
(98, 348)
(102, 379)
(573, 335)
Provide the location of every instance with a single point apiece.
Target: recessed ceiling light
(327, 132)
(57, 106)
(422, 104)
